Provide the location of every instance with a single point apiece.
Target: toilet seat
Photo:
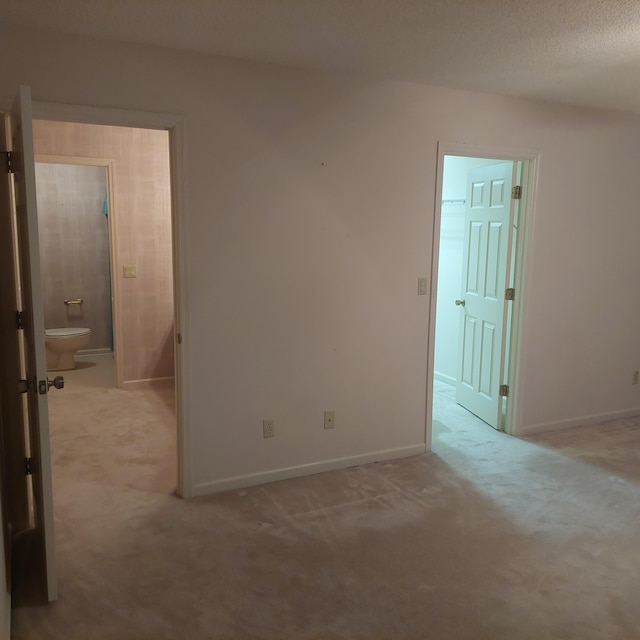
(67, 332)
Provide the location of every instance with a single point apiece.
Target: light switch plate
(129, 271)
(329, 419)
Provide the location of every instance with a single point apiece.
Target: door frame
(530, 159)
(175, 125)
(109, 165)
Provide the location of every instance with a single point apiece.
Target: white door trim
(175, 125)
(530, 159)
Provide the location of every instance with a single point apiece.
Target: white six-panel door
(487, 248)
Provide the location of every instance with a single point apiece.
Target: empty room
(397, 298)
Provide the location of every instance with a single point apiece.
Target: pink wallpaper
(143, 235)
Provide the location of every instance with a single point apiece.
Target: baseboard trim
(253, 479)
(443, 377)
(94, 352)
(147, 382)
(584, 421)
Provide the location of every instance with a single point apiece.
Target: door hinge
(504, 390)
(516, 192)
(510, 294)
(24, 386)
(19, 320)
(179, 338)
(8, 156)
(28, 466)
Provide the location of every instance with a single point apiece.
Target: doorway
(77, 250)
(121, 227)
(174, 127)
(138, 219)
(483, 202)
(21, 285)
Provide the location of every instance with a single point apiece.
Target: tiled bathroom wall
(142, 239)
(74, 248)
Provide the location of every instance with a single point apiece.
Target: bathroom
(73, 208)
(115, 255)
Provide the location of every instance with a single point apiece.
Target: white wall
(454, 188)
(310, 214)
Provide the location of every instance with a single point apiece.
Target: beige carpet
(489, 537)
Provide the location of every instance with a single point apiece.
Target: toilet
(61, 345)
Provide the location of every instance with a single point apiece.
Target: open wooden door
(13, 481)
(33, 546)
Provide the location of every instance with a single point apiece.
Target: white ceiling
(584, 52)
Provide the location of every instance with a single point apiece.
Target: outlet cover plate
(268, 429)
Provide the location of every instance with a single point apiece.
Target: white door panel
(487, 237)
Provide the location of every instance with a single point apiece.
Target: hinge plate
(510, 294)
(24, 386)
(19, 320)
(8, 156)
(516, 192)
(28, 466)
(504, 390)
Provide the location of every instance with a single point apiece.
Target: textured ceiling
(583, 52)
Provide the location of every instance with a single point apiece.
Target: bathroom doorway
(106, 244)
(74, 198)
(137, 213)
(90, 490)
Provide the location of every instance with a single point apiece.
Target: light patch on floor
(487, 538)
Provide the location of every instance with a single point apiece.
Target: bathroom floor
(92, 372)
(100, 434)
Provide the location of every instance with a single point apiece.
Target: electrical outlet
(634, 377)
(329, 419)
(267, 429)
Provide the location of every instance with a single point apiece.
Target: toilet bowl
(61, 345)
